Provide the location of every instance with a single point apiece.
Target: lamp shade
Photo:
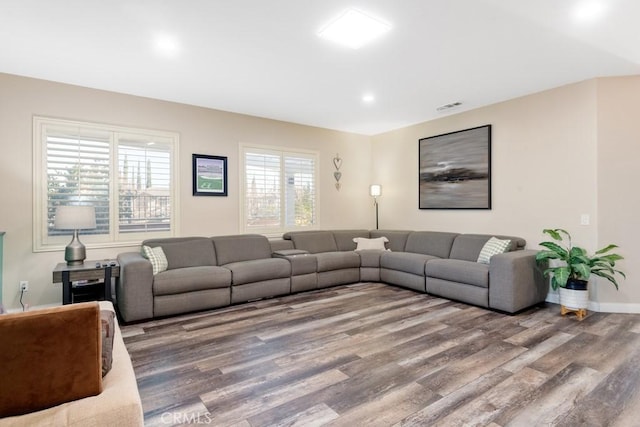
(75, 218)
(375, 190)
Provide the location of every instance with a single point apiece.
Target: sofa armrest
(280, 244)
(134, 293)
(515, 281)
(283, 253)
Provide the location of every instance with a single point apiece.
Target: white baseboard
(32, 307)
(603, 307)
(553, 298)
(617, 307)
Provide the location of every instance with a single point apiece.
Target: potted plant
(573, 267)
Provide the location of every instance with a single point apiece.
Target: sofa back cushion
(435, 243)
(397, 238)
(241, 247)
(49, 356)
(344, 238)
(184, 252)
(281, 245)
(468, 246)
(313, 241)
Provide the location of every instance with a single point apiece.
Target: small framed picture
(209, 175)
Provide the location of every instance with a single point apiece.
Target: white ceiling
(263, 58)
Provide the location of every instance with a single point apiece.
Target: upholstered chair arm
(515, 281)
(134, 293)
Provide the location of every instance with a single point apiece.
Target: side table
(90, 270)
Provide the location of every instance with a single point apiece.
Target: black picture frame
(209, 175)
(454, 170)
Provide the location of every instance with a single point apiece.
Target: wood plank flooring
(376, 355)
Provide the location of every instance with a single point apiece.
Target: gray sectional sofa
(204, 273)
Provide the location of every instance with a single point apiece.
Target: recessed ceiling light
(166, 45)
(589, 11)
(368, 98)
(353, 28)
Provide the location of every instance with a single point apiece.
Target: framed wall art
(209, 175)
(455, 170)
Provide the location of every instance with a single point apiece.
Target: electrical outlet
(24, 286)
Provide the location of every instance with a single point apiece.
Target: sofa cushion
(493, 246)
(370, 258)
(288, 252)
(242, 247)
(156, 257)
(468, 246)
(397, 238)
(189, 279)
(196, 252)
(435, 243)
(455, 270)
(344, 238)
(405, 261)
(54, 357)
(366, 244)
(107, 327)
(328, 261)
(303, 264)
(280, 245)
(259, 270)
(314, 241)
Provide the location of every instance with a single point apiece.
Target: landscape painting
(209, 175)
(455, 170)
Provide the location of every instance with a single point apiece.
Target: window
(279, 190)
(128, 175)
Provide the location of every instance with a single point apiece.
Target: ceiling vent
(448, 106)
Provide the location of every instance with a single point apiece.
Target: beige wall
(618, 184)
(556, 155)
(534, 184)
(201, 130)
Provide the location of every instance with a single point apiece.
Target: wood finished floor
(376, 355)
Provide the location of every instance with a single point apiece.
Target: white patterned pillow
(157, 257)
(376, 244)
(493, 247)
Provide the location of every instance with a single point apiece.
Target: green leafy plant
(575, 263)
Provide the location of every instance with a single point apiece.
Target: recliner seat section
(192, 281)
(407, 269)
(205, 273)
(254, 273)
(370, 259)
(460, 276)
(336, 265)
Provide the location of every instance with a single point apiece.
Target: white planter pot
(575, 300)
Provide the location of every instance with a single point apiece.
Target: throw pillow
(107, 319)
(157, 257)
(493, 247)
(376, 244)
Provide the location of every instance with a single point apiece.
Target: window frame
(42, 242)
(282, 152)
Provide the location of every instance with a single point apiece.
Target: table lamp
(75, 218)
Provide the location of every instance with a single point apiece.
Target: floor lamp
(375, 191)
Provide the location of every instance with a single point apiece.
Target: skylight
(354, 28)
